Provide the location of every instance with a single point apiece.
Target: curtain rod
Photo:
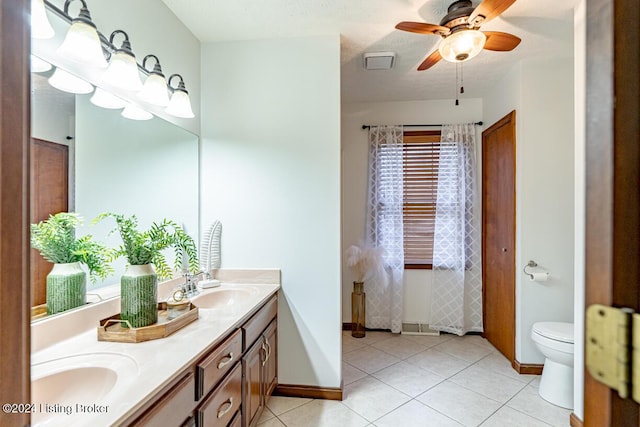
(368, 126)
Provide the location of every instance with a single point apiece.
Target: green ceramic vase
(139, 295)
(66, 287)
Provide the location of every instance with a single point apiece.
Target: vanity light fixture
(123, 68)
(67, 82)
(180, 104)
(39, 65)
(82, 43)
(105, 99)
(462, 45)
(134, 112)
(154, 90)
(40, 26)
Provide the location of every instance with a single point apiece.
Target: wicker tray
(114, 329)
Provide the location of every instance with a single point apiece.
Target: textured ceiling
(545, 27)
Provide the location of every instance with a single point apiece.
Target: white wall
(270, 172)
(147, 168)
(580, 42)
(541, 92)
(354, 182)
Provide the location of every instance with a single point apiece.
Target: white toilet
(555, 341)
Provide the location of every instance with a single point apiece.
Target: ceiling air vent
(379, 60)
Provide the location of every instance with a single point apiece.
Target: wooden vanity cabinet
(260, 364)
(229, 385)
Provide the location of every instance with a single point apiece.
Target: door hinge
(612, 348)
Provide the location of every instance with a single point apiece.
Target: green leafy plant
(56, 240)
(145, 247)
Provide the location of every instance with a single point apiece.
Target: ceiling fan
(459, 29)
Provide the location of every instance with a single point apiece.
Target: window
(420, 186)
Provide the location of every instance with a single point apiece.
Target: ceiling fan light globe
(462, 45)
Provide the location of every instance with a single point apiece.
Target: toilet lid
(559, 331)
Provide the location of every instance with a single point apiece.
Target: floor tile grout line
(289, 410)
(492, 352)
(522, 412)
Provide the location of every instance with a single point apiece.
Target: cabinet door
(252, 391)
(271, 365)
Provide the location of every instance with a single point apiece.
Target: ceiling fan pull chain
(461, 78)
(456, 86)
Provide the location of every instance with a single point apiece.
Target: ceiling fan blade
(489, 9)
(430, 61)
(423, 28)
(499, 41)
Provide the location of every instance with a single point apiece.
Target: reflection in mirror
(90, 160)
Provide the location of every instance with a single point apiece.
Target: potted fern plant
(147, 263)
(56, 240)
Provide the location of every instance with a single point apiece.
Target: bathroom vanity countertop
(158, 361)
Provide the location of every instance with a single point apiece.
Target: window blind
(421, 156)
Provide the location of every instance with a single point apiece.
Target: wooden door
(49, 195)
(15, 362)
(498, 234)
(613, 178)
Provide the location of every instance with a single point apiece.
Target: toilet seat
(557, 331)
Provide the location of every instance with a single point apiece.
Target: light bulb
(67, 82)
(462, 45)
(39, 65)
(180, 105)
(40, 26)
(134, 112)
(82, 43)
(104, 99)
(155, 91)
(123, 68)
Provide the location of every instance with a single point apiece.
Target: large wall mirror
(90, 160)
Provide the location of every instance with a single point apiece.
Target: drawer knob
(225, 360)
(222, 410)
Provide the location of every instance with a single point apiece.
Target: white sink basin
(225, 297)
(58, 386)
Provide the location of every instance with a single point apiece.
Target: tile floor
(412, 381)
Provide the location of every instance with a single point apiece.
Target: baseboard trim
(309, 391)
(574, 421)
(527, 368)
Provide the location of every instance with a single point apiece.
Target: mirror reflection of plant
(56, 240)
(145, 247)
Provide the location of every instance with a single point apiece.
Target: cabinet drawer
(173, 408)
(217, 364)
(253, 327)
(224, 401)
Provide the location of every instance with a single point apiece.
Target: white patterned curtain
(384, 226)
(456, 301)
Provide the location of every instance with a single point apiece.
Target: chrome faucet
(190, 287)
